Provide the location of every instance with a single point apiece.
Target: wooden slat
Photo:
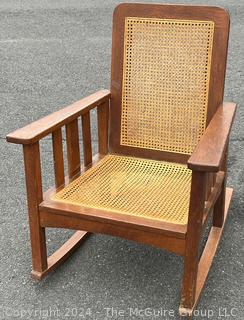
(213, 196)
(102, 118)
(86, 134)
(209, 184)
(219, 208)
(58, 157)
(73, 148)
(34, 198)
(42, 127)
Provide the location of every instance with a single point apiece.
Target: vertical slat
(58, 157)
(193, 236)
(102, 118)
(73, 148)
(86, 134)
(209, 184)
(219, 207)
(34, 198)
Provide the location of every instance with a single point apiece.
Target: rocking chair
(163, 131)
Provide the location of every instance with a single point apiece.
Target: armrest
(42, 127)
(210, 150)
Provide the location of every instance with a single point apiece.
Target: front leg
(193, 237)
(34, 198)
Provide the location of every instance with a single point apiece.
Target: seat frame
(209, 195)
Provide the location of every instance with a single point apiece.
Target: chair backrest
(168, 70)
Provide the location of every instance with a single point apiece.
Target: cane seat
(148, 188)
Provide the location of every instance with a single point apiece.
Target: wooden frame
(218, 66)
(208, 162)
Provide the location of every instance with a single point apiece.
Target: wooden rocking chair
(163, 134)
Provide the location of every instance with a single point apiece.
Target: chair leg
(34, 197)
(188, 293)
(193, 237)
(38, 248)
(193, 282)
(219, 208)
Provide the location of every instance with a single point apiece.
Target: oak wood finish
(58, 157)
(102, 123)
(214, 140)
(34, 198)
(73, 148)
(208, 163)
(159, 240)
(193, 236)
(86, 135)
(219, 207)
(213, 196)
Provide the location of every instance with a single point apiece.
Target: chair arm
(210, 149)
(42, 127)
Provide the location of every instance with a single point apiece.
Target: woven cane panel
(165, 83)
(147, 188)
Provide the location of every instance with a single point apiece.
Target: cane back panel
(165, 82)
